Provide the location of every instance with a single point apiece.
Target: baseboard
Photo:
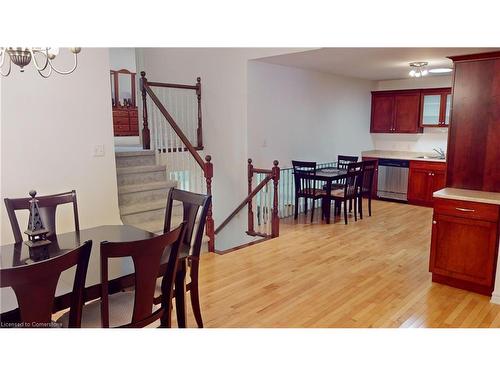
(495, 298)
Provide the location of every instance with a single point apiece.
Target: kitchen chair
(47, 207)
(135, 309)
(351, 167)
(304, 173)
(367, 188)
(195, 210)
(35, 287)
(343, 161)
(350, 192)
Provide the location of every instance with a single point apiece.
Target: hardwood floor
(370, 273)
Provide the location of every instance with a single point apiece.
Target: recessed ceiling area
(370, 63)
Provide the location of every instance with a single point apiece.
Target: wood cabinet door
(464, 249)
(438, 182)
(382, 113)
(419, 186)
(407, 113)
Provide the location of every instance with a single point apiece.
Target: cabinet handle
(434, 222)
(464, 209)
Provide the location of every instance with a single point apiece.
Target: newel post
(146, 140)
(250, 209)
(210, 228)
(275, 222)
(199, 133)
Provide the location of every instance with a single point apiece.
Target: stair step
(127, 189)
(135, 158)
(139, 169)
(134, 153)
(143, 207)
(140, 175)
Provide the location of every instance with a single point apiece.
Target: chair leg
(305, 206)
(350, 205)
(296, 208)
(356, 209)
(370, 205)
(361, 207)
(195, 295)
(312, 210)
(345, 212)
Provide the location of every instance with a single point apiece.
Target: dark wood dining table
(328, 176)
(121, 270)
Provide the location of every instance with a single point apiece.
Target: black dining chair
(304, 173)
(349, 192)
(47, 207)
(195, 209)
(35, 287)
(369, 167)
(344, 160)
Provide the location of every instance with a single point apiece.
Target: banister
(244, 203)
(173, 85)
(173, 124)
(260, 170)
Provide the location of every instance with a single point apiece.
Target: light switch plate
(98, 150)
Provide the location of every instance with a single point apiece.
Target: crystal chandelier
(418, 69)
(42, 59)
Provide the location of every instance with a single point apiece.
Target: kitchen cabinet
(425, 177)
(395, 112)
(464, 244)
(474, 136)
(375, 176)
(435, 107)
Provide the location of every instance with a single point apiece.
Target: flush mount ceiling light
(440, 70)
(22, 56)
(418, 69)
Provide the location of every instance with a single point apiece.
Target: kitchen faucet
(440, 152)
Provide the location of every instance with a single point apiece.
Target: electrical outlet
(98, 150)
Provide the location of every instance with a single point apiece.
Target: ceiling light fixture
(22, 56)
(418, 69)
(440, 70)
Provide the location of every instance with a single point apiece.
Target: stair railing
(205, 165)
(267, 177)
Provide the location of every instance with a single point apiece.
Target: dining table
(328, 176)
(120, 270)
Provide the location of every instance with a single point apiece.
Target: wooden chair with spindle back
(304, 173)
(367, 188)
(47, 207)
(350, 191)
(135, 309)
(195, 209)
(35, 287)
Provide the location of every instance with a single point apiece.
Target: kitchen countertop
(404, 155)
(468, 195)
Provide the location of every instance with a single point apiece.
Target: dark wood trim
(146, 140)
(173, 85)
(263, 171)
(250, 172)
(476, 56)
(199, 132)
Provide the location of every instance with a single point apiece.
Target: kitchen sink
(431, 157)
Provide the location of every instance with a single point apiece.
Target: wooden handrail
(260, 170)
(244, 203)
(173, 85)
(173, 124)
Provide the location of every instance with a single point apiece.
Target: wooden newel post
(275, 223)
(146, 140)
(250, 209)
(209, 228)
(199, 133)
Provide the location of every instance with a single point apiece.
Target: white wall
(122, 58)
(224, 104)
(49, 128)
(305, 115)
(430, 138)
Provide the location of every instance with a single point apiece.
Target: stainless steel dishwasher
(393, 179)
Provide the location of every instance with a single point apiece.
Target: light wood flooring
(370, 273)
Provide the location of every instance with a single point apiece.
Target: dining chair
(195, 209)
(304, 173)
(367, 188)
(135, 309)
(350, 192)
(344, 160)
(35, 287)
(350, 167)
(47, 207)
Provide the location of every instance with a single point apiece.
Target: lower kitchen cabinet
(464, 244)
(424, 179)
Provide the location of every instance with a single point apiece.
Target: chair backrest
(47, 208)
(35, 286)
(303, 174)
(194, 206)
(355, 166)
(368, 173)
(344, 160)
(146, 255)
(353, 183)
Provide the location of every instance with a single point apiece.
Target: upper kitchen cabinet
(435, 107)
(474, 136)
(395, 112)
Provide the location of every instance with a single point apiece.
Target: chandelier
(418, 69)
(42, 59)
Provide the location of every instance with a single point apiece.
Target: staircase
(142, 190)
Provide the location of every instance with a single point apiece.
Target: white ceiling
(370, 63)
